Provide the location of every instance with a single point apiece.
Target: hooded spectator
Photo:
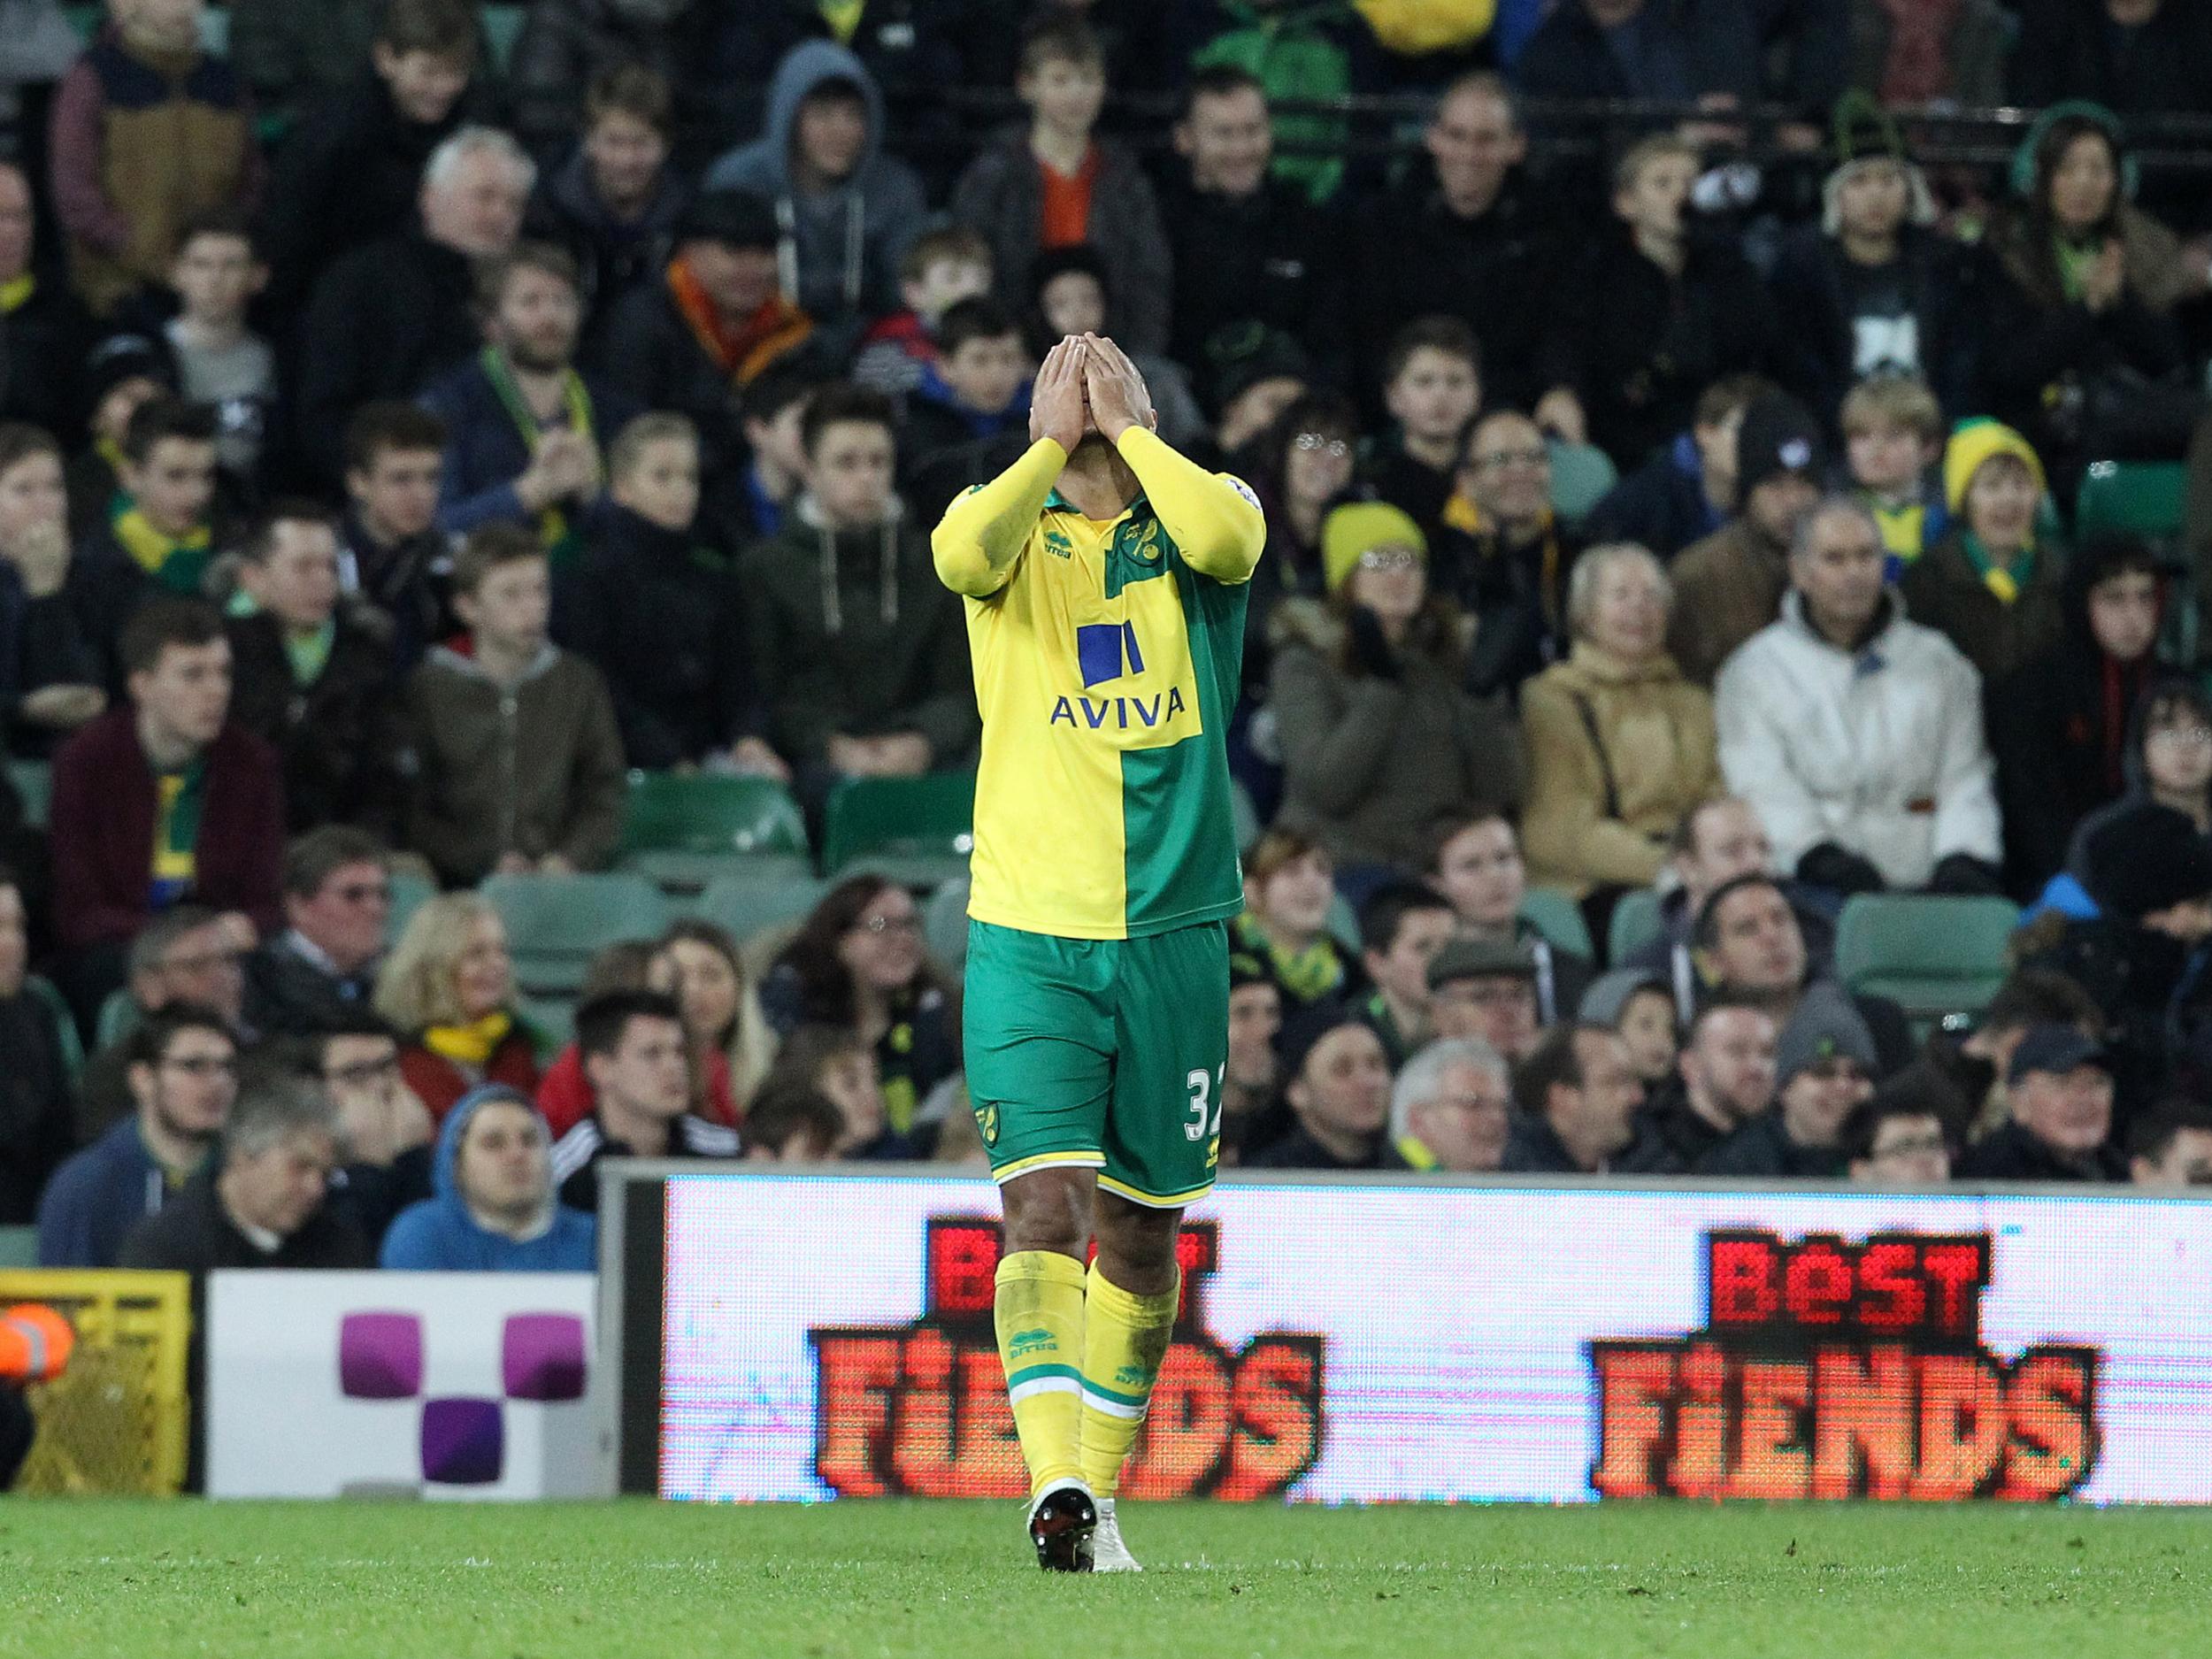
(1379, 737)
(1857, 735)
(1475, 861)
(846, 208)
(615, 204)
(1993, 584)
(389, 318)
(2093, 364)
(150, 129)
(1619, 747)
(1577, 1094)
(2061, 725)
(1512, 553)
(1823, 1064)
(1873, 288)
(1337, 1083)
(860, 652)
(348, 170)
(493, 1208)
(2061, 1088)
(1729, 585)
(1664, 308)
(449, 987)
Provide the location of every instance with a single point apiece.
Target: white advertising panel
(828, 1337)
(435, 1384)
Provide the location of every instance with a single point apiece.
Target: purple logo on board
(464, 1438)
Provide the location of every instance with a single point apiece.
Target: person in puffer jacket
(1855, 733)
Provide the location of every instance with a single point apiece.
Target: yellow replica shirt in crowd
(1107, 657)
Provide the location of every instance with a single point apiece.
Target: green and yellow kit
(1106, 657)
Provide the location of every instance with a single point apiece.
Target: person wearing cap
(1578, 1092)
(1722, 1079)
(1637, 1003)
(1856, 733)
(1379, 737)
(1873, 289)
(1451, 1109)
(1729, 586)
(711, 323)
(1823, 1068)
(1336, 1081)
(1620, 746)
(390, 315)
(1401, 928)
(1486, 988)
(1993, 585)
(2060, 1087)
(1258, 373)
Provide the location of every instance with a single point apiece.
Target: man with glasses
(384, 1130)
(1515, 554)
(188, 956)
(1486, 988)
(1450, 1108)
(1897, 1139)
(182, 1075)
(337, 902)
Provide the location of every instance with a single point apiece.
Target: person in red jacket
(449, 988)
(161, 801)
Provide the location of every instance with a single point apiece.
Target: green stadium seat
(682, 830)
(916, 831)
(1580, 475)
(1932, 955)
(64, 1022)
(556, 924)
(1559, 918)
(410, 892)
(118, 1018)
(945, 924)
(19, 1247)
(552, 1021)
(33, 781)
(1635, 923)
(1344, 924)
(742, 905)
(502, 27)
(2142, 498)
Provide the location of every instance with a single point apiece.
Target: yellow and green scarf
(178, 562)
(179, 798)
(2005, 580)
(562, 541)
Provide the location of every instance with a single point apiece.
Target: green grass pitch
(916, 1581)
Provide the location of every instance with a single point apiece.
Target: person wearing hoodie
(1685, 489)
(2061, 723)
(492, 1208)
(861, 651)
(517, 763)
(614, 205)
(845, 210)
(1729, 585)
(1872, 290)
(1620, 746)
(656, 608)
(1992, 586)
(348, 172)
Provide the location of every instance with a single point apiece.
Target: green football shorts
(1104, 1054)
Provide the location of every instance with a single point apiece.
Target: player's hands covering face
(1057, 407)
(1118, 398)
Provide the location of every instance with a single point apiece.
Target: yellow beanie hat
(1975, 441)
(1359, 527)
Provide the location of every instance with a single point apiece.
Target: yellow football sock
(1038, 1308)
(1124, 1338)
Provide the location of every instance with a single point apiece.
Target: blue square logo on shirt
(1107, 651)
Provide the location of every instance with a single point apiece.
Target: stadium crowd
(400, 448)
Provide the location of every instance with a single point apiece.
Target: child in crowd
(157, 536)
(942, 268)
(123, 372)
(656, 606)
(967, 410)
(1289, 888)
(1476, 863)
(774, 410)
(1058, 183)
(52, 683)
(1069, 295)
(1893, 434)
(516, 763)
(391, 555)
(220, 362)
(837, 1062)
(150, 129)
(1992, 586)
(1431, 386)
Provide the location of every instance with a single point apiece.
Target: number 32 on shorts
(1205, 1110)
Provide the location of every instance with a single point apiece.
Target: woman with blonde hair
(700, 967)
(1620, 745)
(449, 987)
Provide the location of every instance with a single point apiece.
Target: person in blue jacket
(492, 1208)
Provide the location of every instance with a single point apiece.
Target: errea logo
(1059, 545)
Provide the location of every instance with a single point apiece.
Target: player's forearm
(984, 531)
(1219, 528)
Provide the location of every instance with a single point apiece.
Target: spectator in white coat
(1856, 734)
